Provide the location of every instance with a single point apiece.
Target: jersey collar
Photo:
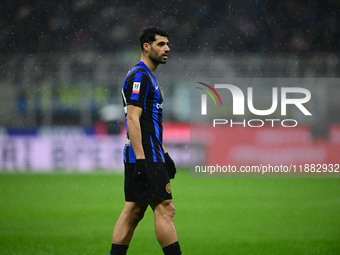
(145, 66)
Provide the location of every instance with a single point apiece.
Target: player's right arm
(133, 115)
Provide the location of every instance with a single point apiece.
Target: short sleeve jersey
(141, 88)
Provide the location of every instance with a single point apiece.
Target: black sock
(118, 249)
(172, 249)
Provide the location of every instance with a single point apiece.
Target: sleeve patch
(136, 88)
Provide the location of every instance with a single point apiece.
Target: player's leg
(125, 226)
(164, 213)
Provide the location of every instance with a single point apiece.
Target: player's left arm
(169, 163)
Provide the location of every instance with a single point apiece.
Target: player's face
(159, 50)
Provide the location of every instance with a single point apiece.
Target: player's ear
(146, 47)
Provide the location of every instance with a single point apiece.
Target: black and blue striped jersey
(141, 88)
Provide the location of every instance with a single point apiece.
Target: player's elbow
(133, 114)
(132, 120)
(130, 123)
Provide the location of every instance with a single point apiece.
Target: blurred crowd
(299, 26)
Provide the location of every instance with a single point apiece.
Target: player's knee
(169, 209)
(172, 210)
(137, 215)
(134, 213)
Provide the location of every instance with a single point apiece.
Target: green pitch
(75, 214)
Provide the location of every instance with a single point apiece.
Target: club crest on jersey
(136, 88)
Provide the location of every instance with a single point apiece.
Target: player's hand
(171, 165)
(141, 171)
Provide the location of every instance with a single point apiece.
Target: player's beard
(155, 58)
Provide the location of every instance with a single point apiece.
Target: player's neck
(149, 63)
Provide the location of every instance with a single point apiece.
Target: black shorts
(157, 189)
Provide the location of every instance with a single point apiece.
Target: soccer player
(148, 166)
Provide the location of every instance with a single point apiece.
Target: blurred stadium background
(63, 64)
(62, 67)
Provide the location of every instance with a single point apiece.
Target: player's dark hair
(149, 35)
